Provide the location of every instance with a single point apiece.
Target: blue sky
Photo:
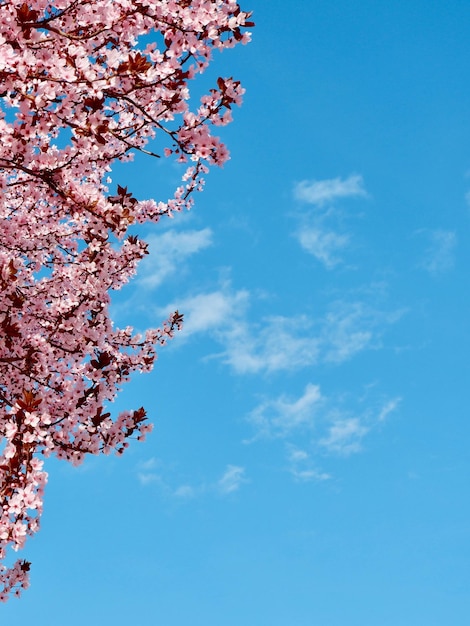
(309, 463)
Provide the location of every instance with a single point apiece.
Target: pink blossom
(62, 361)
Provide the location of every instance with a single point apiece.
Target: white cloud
(301, 468)
(209, 312)
(146, 478)
(321, 192)
(297, 456)
(345, 436)
(323, 244)
(168, 252)
(147, 473)
(351, 327)
(185, 491)
(388, 408)
(347, 426)
(280, 417)
(150, 464)
(154, 472)
(315, 424)
(440, 255)
(275, 344)
(279, 343)
(319, 234)
(232, 479)
(348, 329)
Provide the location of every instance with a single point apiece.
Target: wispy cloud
(314, 425)
(350, 327)
(281, 416)
(148, 472)
(280, 343)
(323, 244)
(348, 422)
(186, 491)
(168, 253)
(232, 479)
(345, 435)
(388, 408)
(154, 472)
(440, 254)
(301, 467)
(321, 232)
(145, 478)
(321, 192)
(275, 344)
(290, 343)
(209, 312)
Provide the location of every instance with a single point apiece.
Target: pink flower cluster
(78, 91)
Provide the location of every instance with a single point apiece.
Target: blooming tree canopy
(84, 84)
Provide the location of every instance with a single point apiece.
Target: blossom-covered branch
(83, 85)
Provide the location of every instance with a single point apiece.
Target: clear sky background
(310, 459)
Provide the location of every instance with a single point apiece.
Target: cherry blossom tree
(84, 84)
